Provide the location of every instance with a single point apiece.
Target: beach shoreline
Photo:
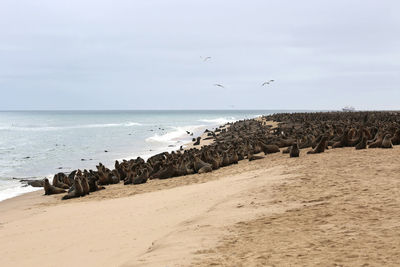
(314, 210)
(146, 137)
(185, 146)
(167, 148)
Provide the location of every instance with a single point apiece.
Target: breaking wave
(177, 134)
(218, 121)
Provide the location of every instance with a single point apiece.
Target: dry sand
(339, 208)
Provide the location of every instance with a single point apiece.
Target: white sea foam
(218, 121)
(180, 133)
(177, 133)
(58, 128)
(10, 188)
(16, 190)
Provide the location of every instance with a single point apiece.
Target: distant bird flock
(222, 86)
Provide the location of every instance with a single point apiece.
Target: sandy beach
(202, 133)
(340, 207)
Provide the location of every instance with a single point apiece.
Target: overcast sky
(96, 54)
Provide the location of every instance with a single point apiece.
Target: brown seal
(396, 138)
(344, 140)
(320, 147)
(251, 157)
(93, 186)
(204, 169)
(197, 141)
(142, 178)
(235, 158)
(85, 185)
(51, 189)
(294, 151)
(58, 181)
(36, 183)
(387, 142)
(130, 175)
(363, 143)
(76, 192)
(269, 149)
(166, 172)
(225, 159)
(214, 159)
(202, 166)
(378, 141)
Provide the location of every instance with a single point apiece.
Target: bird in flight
(205, 58)
(219, 85)
(265, 83)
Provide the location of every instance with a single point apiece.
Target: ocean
(38, 144)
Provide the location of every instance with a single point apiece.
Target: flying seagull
(265, 83)
(206, 58)
(219, 85)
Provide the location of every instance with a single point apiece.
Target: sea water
(38, 144)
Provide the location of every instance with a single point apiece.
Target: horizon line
(283, 109)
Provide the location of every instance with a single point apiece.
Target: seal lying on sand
(77, 192)
(363, 143)
(205, 169)
(396, 138)
(251, 157)
(320, 147)
(269, 149)
(166, 172)
(142, 178)
(93, 186)
(378, 142)
(201, 166)
(58, 181)
(197, 141)
(34, 183)
(387, 142)
(51, 189)
(344, 140)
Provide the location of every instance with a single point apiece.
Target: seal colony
(242, 140)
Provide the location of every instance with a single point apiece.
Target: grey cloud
(146, 54)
